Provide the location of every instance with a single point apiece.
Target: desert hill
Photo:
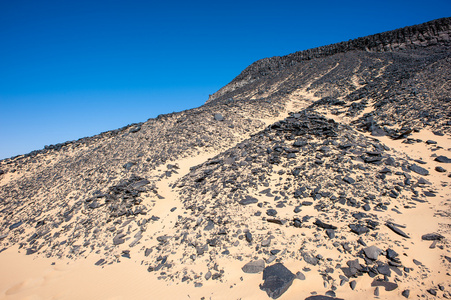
(323, 173)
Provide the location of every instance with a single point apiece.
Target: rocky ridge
(431, 33)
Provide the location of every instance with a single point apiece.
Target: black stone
(406, 293)
(249, 237)
(419, 170)
(15, 225)
(275, 221)
(210, 225)
(432, 237)
(248, 200)
(348, 180)
(128, 165)
(330, 233)
(440, 169)
(310, 259)
(358, 229)
(384, 269)
(443, 159)
(271, 212)
(277, 279)
(319, 223)
(397, 230)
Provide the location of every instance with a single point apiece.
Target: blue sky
(70, 69)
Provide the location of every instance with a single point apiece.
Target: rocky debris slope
(94, 178)
(403, 89)
(422, 35)
(304, 187)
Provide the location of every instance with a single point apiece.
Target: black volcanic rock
(419, 170)
(443, 159)
(358, 229)
(277, 279)
(15, 225)
(323, 225)
(432, 237)
(396, 230)
(248, 200)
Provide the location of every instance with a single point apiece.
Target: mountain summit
(323, 174)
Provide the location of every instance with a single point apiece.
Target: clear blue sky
(70, 69)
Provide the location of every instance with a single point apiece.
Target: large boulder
(277, 280)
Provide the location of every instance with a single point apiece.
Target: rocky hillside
(437, 32)
(315, 166)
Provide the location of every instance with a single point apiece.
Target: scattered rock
(348, 180)
(419, 170)
(406, 293)
(432, 237)
(443, 159)
(248, 237)
(271, 212)
(15, 225)
(310, 259)
(319, 223)
(358, 229)
(218, 117)
(128, 165)
(397, 230)
(440, 169)
(248, 200)
(300, 275)
(372, 252)
(253, 267)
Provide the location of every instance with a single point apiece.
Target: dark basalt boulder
(277, 279)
